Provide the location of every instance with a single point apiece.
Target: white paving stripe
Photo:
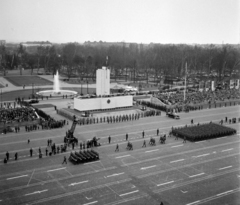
(56, 169)
(143, 168)
(91, 162)
(76, 183)
(117, 174)
(225, 192)
(123, 156)
(93, 202)
(225, 167)
(36, 192)
(177, 146)
(226, 150)
(196, 175)
(193, 202)
(129, 193)
(179, 160)
(202, 155)
(165, 183)
(17, 177)
(152, 150)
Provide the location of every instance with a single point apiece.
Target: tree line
(126, 59)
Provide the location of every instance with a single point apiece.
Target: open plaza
(132, 154)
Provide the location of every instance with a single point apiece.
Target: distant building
(2, 42)
(31, 47)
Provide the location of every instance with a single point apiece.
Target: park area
(27, 80)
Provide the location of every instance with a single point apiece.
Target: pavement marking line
(152, 150)
(196, 175)
(225, 192)
(93, 202)
(165, 183)
(129, 193)
(115, 174)
(202, 155)
(123, 156)
(17, 177)
(36, 192)
(177, 146)
(226, 150)
(143, 168)
(91, 162)
(56, 169)
(76, 183)
(193, 202)
(179, 160)
(224, 167)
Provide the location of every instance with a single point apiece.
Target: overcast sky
(158, 21)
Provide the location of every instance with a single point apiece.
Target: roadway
(205, 172)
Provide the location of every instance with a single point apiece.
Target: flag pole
(184, 93)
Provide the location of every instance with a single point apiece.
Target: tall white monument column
(103, 82)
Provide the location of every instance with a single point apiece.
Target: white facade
(103, 103)
(103, 82)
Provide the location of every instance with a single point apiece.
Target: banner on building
(237, 84)
(231, 84)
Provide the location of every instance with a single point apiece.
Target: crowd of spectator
(17, 115)
(193, 98)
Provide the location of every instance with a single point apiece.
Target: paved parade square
(168, 173)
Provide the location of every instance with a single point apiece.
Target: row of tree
(125, 59)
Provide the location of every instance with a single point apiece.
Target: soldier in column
(109, 139)
(143, 134)
(127, 137)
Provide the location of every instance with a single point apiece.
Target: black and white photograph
(119, 102)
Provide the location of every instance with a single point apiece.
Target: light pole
(81, 87)
(87, 86)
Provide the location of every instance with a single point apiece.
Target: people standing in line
(109, 139)
(31, 152)
(127, 137)
(64, 160)
(117, 148)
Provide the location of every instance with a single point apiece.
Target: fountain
(56, 89)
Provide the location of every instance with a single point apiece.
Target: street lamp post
(81, 87)
(87, 86)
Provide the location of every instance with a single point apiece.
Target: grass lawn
(27, 80)
(11, 96)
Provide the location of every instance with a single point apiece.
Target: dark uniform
(127, 137)
(64, 160)
(16, 156)
(144, 143)
(109, 139)
(117, 148)
(157, 132)
(31, 152)
(143, 133)
(7, 156)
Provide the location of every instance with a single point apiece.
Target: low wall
(103, 103)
